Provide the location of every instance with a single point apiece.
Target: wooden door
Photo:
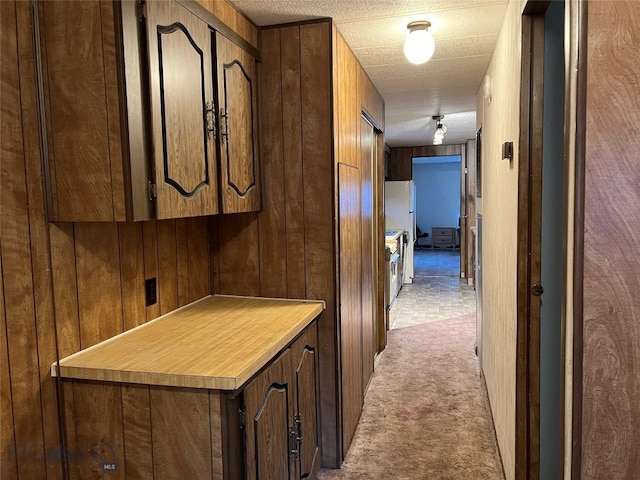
(269, 410)
(606, 253)
(181, 89)
(238, 121)
(305, 359)
(350, 255)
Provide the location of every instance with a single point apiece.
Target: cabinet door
(238, 120)
(180, 83)
(269, 410)
(305, 361)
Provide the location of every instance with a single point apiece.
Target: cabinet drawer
(442, 240)
(439, 231)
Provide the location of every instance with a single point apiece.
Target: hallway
(425, 414)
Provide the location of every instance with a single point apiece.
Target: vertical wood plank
(239, 255)
(114, 117)
(369, 253)
(274, 243)
(214, 250)
(167, 266)
(225, 12)
(97, 410)
(150, 241)
(216, 411)
(293, 161)
(99, 287)
(132, 274)
(44, 319)
(70, 440)
(199, 251)
(15, 256)
(181, 433)
(319, 228)
(350, 300)
(182, 261)
(347, 107)
(63, 258)
(8, 463)
(136, 434)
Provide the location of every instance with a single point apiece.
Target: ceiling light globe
(437, 141)
(419, 45)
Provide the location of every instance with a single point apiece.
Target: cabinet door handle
(224, 116)
(210, 120)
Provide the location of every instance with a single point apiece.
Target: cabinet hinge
(295, 437)
(152, 191)
(243, 419)
(142, 10)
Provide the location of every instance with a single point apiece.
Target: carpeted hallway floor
(425, 414)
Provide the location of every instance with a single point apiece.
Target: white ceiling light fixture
(419, 45)
(441, 130)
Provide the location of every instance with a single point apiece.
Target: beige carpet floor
(425, 414)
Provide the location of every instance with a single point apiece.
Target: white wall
(437, 195)
(499, 115)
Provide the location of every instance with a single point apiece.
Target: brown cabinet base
(129, 431)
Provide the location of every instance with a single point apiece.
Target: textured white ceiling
(465, 32)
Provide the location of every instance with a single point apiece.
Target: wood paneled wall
(233, 19)
(95, 281)
(611, 306)
(400, 165)
(354, 94)
(288, 249)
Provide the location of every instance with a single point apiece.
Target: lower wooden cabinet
(267, 430)
(280, 409)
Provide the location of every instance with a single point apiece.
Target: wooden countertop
(218, 342)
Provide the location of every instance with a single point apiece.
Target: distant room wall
(437, 193)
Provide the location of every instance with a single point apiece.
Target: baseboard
(494, 435)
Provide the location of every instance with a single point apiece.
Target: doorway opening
(438, 289)
(437, 245)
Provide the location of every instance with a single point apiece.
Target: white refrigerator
(400, 214)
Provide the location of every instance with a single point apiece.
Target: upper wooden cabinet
(182, 112)
(132, 121)
(238, 114)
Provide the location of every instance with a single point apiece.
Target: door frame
(527, 441)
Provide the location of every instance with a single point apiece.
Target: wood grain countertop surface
(218, 342)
